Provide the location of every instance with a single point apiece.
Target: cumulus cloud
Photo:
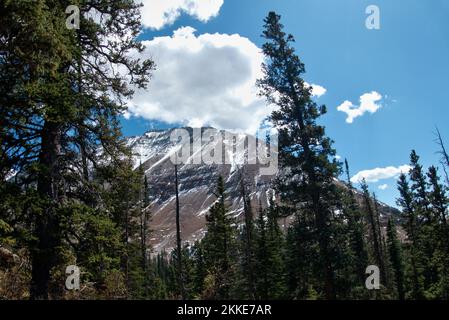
(317, 90)
(369, 102)
(383, 187)
(202, 80)
(158, 13)
(377, 174)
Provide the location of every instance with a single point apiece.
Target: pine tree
(179, 256)
(356, 229)
(304, 150)
(375, 232)
(444, 156)
(248, 262)
(419, 189)
(395, 254)
(144, 231)
(262, 254)
(120, 193)
(219, 247)
(439, 202)
(162, 276)
(411, 226)
(439, 205)
(426, 223)
(64, 101)
(300, 256)
(199, 272)
(270, 266)
(382, 242)
(140, 274)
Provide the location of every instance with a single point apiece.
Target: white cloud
(158, 13)
(201, 80)
(369, 102)
(317, 90)
(204, 80)
(377, 174)
(383, 187)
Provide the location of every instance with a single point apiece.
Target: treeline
(69, 193)
(260, 257)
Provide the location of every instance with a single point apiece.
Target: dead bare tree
(444, 155)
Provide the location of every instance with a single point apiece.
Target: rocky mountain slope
(196, 185)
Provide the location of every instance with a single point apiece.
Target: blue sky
(406, 62)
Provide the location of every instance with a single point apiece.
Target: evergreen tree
(270, 266)
(304, 150)
(163, 281)
(356, 229)
(262, 254)
(179, 255)
(439, 202)
(375, 234)
(444, 156)
(439, 206)
(145, 216)
(411, 226)
(419, 189)
(425, 222)
(299, 258)
(120, 193)
(64, 101)
(382, 243)
(248, 261)
(199, 271)
(395, 254)
(220, 248)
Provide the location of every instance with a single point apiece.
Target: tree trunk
(249, 255)
(178, 238)
(323, 241)
(43, 256)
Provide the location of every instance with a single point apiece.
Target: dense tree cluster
(62, 91)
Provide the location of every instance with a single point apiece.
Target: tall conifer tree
(219, 246)
(395, 254)
(63, 104)
(304, 151)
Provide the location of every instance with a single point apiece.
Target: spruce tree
(382, 241)
(270, 263)
(396, 260)
(247, 240)
(419, 187)
(219, 246)
(63, 104)
(356, 229)
(375, 232)
(426, 223)
(307, 184)
(145, 217)
(261, 255)
(439, 205)
(444, 156)
(439, 202)
(179, 255)
(120, 194)
(300, 259)
(199, 271)
(405, 201)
